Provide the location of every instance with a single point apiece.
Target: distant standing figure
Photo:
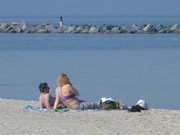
(61, 23)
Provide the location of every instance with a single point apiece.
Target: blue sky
(88, 7)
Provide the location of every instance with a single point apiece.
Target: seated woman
(67, 94)
(46, 100)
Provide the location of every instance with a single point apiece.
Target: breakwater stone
(26, 27)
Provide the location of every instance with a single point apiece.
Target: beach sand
(15, 121)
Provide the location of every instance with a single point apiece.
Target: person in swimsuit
(67, 94)
(46, 100)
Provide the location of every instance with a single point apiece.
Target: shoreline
(16, 121)
(26, 27)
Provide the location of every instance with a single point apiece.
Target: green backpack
(109, 105)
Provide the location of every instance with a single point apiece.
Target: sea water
(122, 66)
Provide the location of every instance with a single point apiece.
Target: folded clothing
(59, 110)
(88, 105)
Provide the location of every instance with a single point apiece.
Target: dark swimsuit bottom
(64, 98)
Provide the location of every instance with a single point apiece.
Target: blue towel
(31, 108)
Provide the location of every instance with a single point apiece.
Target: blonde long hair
(62, 80)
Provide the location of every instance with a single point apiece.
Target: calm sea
(123, 66)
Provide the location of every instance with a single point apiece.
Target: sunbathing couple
(66, 96)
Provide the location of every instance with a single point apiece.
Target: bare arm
(40, 102)
(57, 99)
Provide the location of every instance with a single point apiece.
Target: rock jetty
(26, 27)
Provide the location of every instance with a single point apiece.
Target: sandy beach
(15, 121)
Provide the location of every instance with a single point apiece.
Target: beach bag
(109, 104)
(139, 106)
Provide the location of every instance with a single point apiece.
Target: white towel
(104, 99)
(142, 103)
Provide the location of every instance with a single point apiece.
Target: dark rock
(149, 28)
